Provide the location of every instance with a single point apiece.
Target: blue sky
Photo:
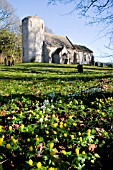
(58, 19)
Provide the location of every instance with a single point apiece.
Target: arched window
(42, 26)
(30, 24)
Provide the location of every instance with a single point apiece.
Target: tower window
(30, 23)
(42, 26)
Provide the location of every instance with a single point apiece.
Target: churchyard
(53, 118)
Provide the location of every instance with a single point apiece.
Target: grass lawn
(53, 118)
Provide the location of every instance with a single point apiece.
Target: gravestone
(13, 63)
(80, 68)
(96, 63)
(101, 64)
(9, 63)
(92, 60)
(5, 61)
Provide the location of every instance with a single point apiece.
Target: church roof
(53, 40)
(29, 17)
(56, 40)
(82, 48)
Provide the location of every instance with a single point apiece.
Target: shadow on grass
(30, 66)
(52, 77)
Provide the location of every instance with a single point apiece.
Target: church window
(84, 57)
(30, 23)
(42, 26)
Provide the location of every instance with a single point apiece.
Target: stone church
(40, 46)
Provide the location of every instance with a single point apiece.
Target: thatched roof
(56, 40)
(82, 48)
(53, 40)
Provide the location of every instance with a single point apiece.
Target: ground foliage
(52, 117)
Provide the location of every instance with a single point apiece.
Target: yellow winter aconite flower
(39, 165)
(77, 151)
(76, 101)
(54, 132)
(30, 148)
(99, 105)
(72, 136)
(53, 116)
(53, 152)
(56, 118)
(88, 132)
(10, 127)
(65, 134)
(83, 152)
(74, 124)
(37, 139)
(61, 126)
(30, 162)
(32, 132)
(63, 152)
(51, 145)
(70, 117)
(28, 140)
(60, 101)
(80, 139)
(15, 141)
(51, 168)
(70, 102)
(22, 126)
(103, 113)
(37, 116)
(40, 112)
(65, 124)
(1, 141)
(12, 137)
(47, 132)
(98, 111)
(0, 128)
(55, 125)
(14, 117)
(8, 146)
(79, 133)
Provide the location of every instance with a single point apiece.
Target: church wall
(33, 36)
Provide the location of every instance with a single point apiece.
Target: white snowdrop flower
(46, 118)
(48, 110)
(45, 102)
(90, 138)
(37, 105)
(43, 107)
(56, 139)
(40, 120)
(45, 125)
(52, 106)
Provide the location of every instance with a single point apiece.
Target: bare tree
(97, 11)
(10, 31)
(8, 18)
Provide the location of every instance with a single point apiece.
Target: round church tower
(32, 39)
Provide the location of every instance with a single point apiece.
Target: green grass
(52, 109)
